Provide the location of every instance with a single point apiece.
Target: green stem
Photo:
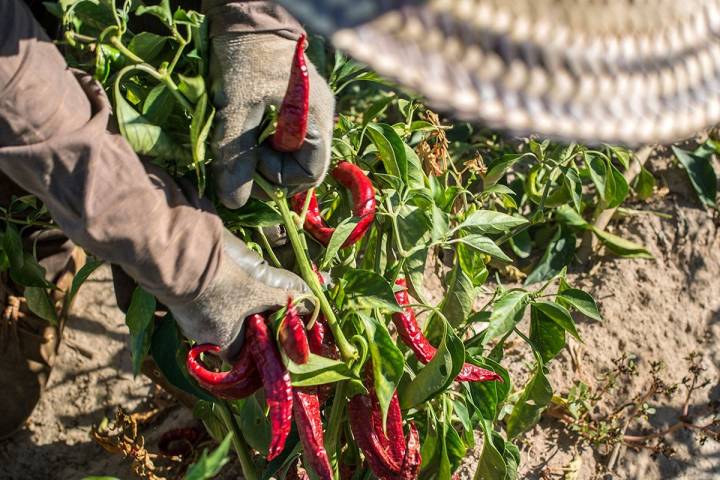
(335, 422)
(241, 447)
(347, 350)
(268, 248)
(150, 70)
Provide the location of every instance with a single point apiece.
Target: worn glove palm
(243, 285)
(249, 72)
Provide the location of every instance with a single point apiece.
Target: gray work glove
(243, 285)
(249, 72)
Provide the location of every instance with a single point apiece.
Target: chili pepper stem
(241, 447)
(347, 351)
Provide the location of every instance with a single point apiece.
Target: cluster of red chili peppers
(389, 452)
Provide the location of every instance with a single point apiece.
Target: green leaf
(440, 372)
(144, 137)
(415, 228)
(387, 361)
(12, 245)
(253, 423)
(645, 185)
(581, 301)
(32, 274)
(489, 221)
(512, 461)
(488, 397)
(617, 187)
(491, 465)
(598, 171)
(570, 217)
(341, 233)
(521, 244)
(164, 348)
(559, 315)
(458, 301)
(199, 131)
(573, 184)
(80, 277)
(161, 11)
(377, 108)
(546, 336)
(391, 149)
(558, 254)
(621, 247)
(483, 244)
(158, 105)
(701, 172)
(507, 311)
(498, 168)
(416, 175)
(532, 401)
(147, 45)
(192, 87)
(318, 371)
(208, 466)
(366, 290)
(255, 213)
(139, 319)
(472, 264)
(38, 301)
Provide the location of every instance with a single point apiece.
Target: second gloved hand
(243, 285)
(250, 71)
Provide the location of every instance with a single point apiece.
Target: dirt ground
(658, 310)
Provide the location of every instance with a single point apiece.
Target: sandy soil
(658, 310)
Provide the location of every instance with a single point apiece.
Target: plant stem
(332, 433)
(241, 447)
(268, 248)
(347, 350)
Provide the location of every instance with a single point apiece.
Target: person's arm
(54, 143)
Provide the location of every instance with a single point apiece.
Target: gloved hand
(249, 72)
(243, 285)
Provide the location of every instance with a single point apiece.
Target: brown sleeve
(55, 144)
(250, 16)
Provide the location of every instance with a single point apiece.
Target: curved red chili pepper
(292, 336)
(180, 441)
(239, 382)
(306, 409)
(292, 121)
(411, 334)
(276, 380)
(363, 193)
(368, 434)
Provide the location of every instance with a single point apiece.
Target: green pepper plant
(425, 368)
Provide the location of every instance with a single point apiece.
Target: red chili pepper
(411, 463)
(306, 409)
(363, 193)
(180, 441)
(276, 380)
(411, 334)
(239, 382)
(292, 336)
(292, 121)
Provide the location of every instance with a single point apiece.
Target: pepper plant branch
(603, 215)
(241, 447)
(268, 248)
(347, 351)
